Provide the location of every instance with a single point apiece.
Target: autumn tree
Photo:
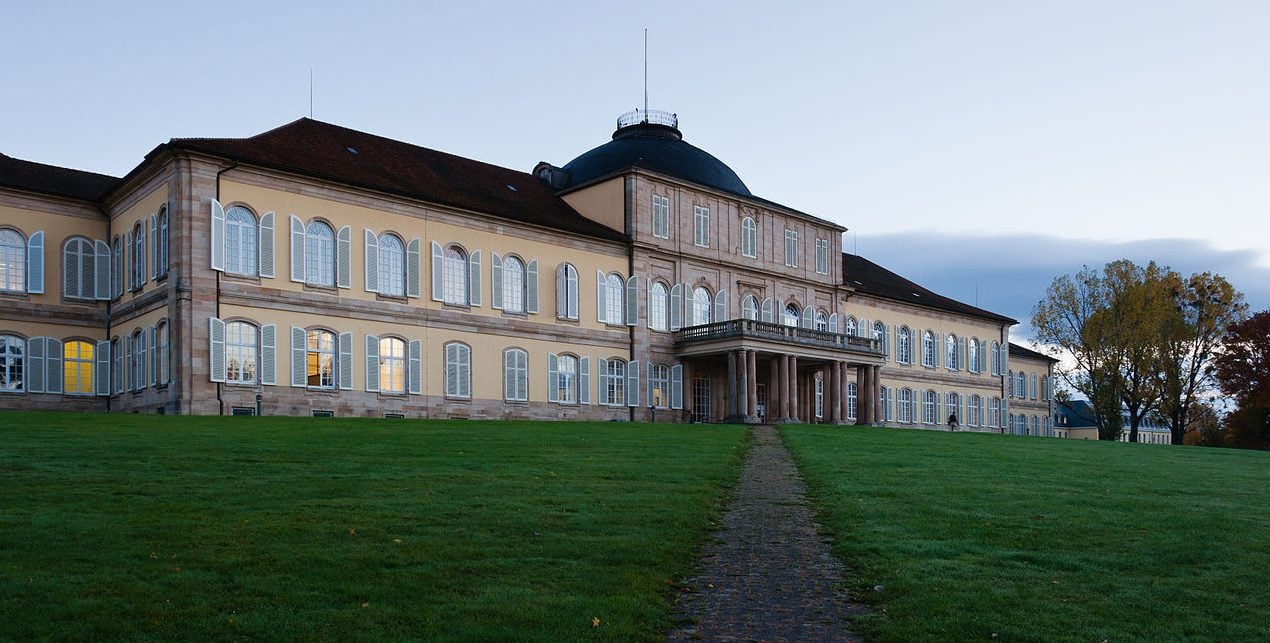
(1242, 369)
(1205, 305)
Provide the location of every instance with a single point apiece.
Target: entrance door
(701, 399)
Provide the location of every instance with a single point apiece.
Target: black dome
(657, 145)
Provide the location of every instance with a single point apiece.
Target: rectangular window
(661, 216)
(613, 382)
(822, 256)
(458, 371)
(791, 248)
(701, 226)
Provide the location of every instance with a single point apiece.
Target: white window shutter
(299, 355)
(101, 271)
(413, 267)
(632, 383)
(474, 279)
(346, 361)
(632, 300)
(649, 382)
(584, 380)
(269, 354)
(372, 363)
(218, 236)
(343, 257)
(153, 364)
(101, 376)
(648, 301)
(36, 364)
(833, 322)
(216, 349)
(602, 377)
(862, 328)
(531, 287)
(415, 369)
(154, 245)
(721, 305)
(509, 370)
(767, 310)
(438, 270)
(677, 386)
(370, 260)
(809, 317)
(53, 363)
(35, 263)
(562, 295)
(265, 240)
(495, 281)
(676, 306)
(297, 249)
(601, 297)
(553, 376)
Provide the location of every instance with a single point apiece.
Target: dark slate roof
(1021, 351)
(333, 153)
(50, 179)
(1079, 414)
(868, 277)
(657, 148)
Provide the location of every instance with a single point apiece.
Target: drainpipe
(219, 385)
(629, 221)
(109, 300)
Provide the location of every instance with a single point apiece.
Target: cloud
(1008, 274)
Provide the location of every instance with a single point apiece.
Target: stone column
(861, 395)
(782, 411)
(742, 384)
(875, 392)
(833, 386)
(687, 384)
(774, 411)
(729, 401)
(751, 386)
(793, 388)
(844, 401)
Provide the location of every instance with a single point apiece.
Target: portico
(785, 361)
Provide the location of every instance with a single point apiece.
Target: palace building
(318, 270)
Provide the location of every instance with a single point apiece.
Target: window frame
(13, 261)
(248, 353)
(514, 285)
(661, 214)
(749, 238)
(83, 362)
(12, 360)
(314, 356)
(791, 248)
(455, 279)
(391, 265)
(458, 371)
(701, 226)
(242, 241)
(520, 372)
(317, 248)
(659, 306)
(822, 256)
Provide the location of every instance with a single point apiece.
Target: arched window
(1020, 384)
(162, 349)
(116, 268)
(12, 363)
(392, 365)
(749, 237)
(458, 370)
(928, 349)
(852, 393)
(953, 402)
(974, 411)
(904, 406)
(614, 297)
(1032, 388)
(701, 306)
(749, 307)
(1036, 425)
(822, 321)
(513, 285)
(850, 328)
(904, 350)
(321, 359)
(392, 266)
(138, 367)
(138, 256)
(659, 385)
(996, 359)
(565, 381)
(994, 412)
(319, 254)
(566, 291)
(928, 407)
(950, 352)
(77, 362)
(515, 375)
(454, 276)
(972, 357)
(12, 261)
(879, 333)
(78, 275)
(791, 316)
(658, 306)
(161, 243)
(241, 352)
(116, 375)
(819, 395)
(613, 382)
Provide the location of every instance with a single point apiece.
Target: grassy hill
(964, 536)
(150, 527)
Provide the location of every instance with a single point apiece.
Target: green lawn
(982, 536)
(150, 527)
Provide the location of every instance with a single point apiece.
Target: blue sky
(968, 145)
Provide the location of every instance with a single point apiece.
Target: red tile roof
(333, 153)
(50, 179)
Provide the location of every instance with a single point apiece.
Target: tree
(1206, 304)
(1139, 314)
(1242, 369)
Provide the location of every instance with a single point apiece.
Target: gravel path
(767, 574)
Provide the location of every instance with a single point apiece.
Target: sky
(978, 148)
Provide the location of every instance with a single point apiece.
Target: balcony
(759, 335)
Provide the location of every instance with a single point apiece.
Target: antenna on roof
(645, 70)
(310, 92)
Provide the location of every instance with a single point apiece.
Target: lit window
(749, 237)
(661, 216)
(12, 261)
(454, 276)
(77, 365)
(701, 226)
(515, 375)
(658, 307)
(241, 352)
(392, 266)
(392, 365)
(319, 255)
(320, 369)
(513, 285)
(12, 363)
(458, 371)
